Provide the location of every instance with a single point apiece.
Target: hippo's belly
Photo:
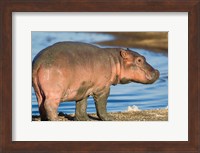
(76, 94)
(85, 90)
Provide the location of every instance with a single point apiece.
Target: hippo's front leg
(81, 107)
(100, 103)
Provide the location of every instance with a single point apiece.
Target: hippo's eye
(139, 60)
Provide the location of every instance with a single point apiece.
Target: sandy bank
(155, 41)
(145, 115)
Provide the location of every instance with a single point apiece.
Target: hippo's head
(136, 69)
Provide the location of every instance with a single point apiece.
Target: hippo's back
(70, 52)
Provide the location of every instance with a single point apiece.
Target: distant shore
(144, 115)
(154, 41)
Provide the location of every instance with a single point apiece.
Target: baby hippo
(73, 71)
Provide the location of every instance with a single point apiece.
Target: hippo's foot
(54, 119)
(52, 116)
(51, 110)
(82, 118)
(106, 117)
(44, 118)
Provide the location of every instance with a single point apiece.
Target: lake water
(153, 96)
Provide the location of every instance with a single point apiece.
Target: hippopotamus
(73, 71)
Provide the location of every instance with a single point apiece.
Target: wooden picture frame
(7, 7)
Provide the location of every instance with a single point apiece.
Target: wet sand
(154, 41)
(145, 115)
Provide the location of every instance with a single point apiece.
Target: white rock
(133, 108)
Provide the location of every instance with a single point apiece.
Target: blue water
(145, 97)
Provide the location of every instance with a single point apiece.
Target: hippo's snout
(153, 76)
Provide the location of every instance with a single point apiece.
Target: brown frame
(9, 6)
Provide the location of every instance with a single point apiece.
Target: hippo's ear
(125, 54)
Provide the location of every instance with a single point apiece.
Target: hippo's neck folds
(116, 65)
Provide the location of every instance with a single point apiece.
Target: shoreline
(141, 115)
(153, 41)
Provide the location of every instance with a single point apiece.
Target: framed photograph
(99, 76)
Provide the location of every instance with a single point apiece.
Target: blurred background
(152, 45)
(154, 41)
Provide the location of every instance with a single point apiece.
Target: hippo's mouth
(148, 76)
(151, 77)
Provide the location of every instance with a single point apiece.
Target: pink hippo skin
(73, 71)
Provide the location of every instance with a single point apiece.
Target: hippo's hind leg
(51, 107)
(81, 113)
(101, 103)
(40, 100)
(42, 110)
